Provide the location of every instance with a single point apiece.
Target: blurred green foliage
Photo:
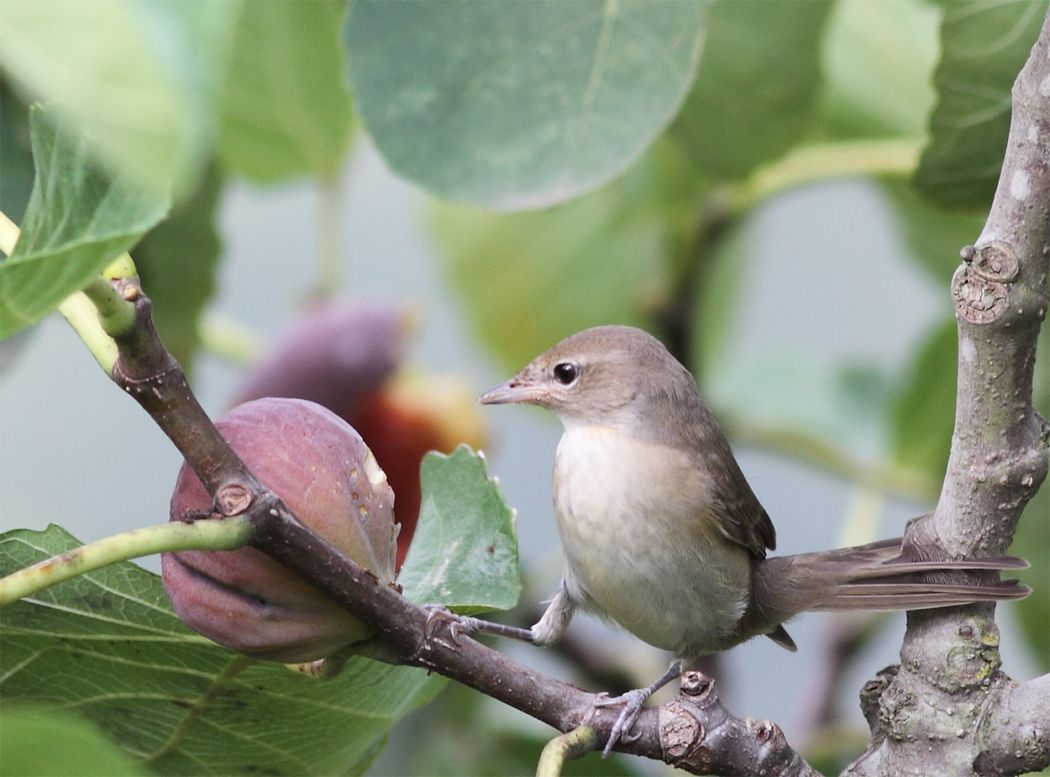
(651, 155)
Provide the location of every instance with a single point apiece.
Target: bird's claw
(458, 625)
(633, 702)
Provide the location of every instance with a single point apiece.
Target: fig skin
(322, 470)
(334, 355)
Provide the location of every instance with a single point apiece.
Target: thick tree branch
(1014, 734)
(933, 715)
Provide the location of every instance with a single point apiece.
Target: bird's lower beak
(514, 390)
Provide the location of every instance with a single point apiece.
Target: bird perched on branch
(662, 533)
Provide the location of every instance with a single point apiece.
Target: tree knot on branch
(233, 499)
(698, 734)
(980, 286)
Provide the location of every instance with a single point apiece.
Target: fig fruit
(348, 356)
(322, 470)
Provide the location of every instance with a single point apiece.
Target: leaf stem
(9, 233)
(573, 744)
(224, 534)
(230, 340)
(821, 161)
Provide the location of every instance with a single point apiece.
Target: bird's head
(608, 375)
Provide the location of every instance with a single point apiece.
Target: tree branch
(933, 715)
(1015, 735)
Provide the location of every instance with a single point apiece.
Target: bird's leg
(632, 702)
(547, 631)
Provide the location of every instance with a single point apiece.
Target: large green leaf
(924, 409)
(984, 43)
(465, 550)
(934, 235)
(39, 742)
(759, 78)
(878, 57)
(16, 155)
(138, 75)
(107, 646)
(795, 393)
(530, 279)
(518, 105)
(177, 262)
(285, 108)
(78, 220)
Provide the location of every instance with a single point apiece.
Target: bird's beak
(516, 389)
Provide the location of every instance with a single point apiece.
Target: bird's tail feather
(886, 575)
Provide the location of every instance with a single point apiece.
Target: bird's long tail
(886, 575)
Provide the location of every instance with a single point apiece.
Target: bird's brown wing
(684, 421)
(743, 520)
(740, 515)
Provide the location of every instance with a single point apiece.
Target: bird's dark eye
(565, 373)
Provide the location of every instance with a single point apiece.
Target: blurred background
(806, 287)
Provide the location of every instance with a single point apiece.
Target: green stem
(9, 233)
(81, 314)
(573, 744)
(230, 339)
(218, 534)
(116, 314)
(821, 161)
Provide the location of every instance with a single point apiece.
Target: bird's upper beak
(517, 389)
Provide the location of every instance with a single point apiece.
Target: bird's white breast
(641, 545)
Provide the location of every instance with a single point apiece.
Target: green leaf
(759, 79)
(934, 235)
(16, 155)
(521, 105)
(924, 409)
(464, 553)
(40, 742)
(868, 92)
(530, 279)
(107, 645)
(177, 262)
(138, 76)
(793, 392)
(285, 108)
(984, 43)
(77, 221)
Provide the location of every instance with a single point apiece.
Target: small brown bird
(661, 531)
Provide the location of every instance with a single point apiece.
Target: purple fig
(323, 471)
(347, 356)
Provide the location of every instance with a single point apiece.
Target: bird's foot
(458, 625)
(633, 702)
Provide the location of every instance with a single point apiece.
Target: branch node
(232, 499)
(978, 299)
(996, 261)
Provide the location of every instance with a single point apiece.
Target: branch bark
(949, 710)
